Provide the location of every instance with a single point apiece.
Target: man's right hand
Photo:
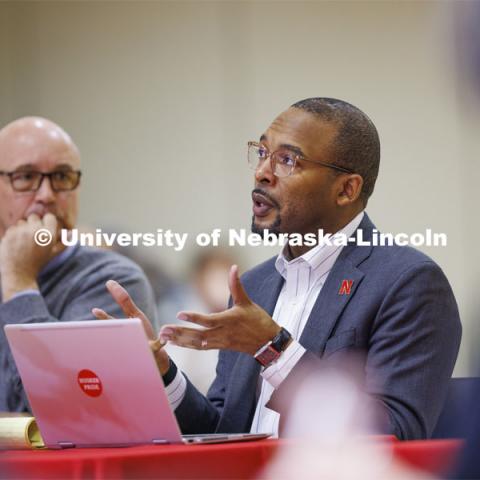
(121, 296)
(22, 256)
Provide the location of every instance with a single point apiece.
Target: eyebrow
(286, 146)
(24, 166)
(30, 166)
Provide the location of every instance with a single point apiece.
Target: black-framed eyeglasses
(282, 161)
(31, 180)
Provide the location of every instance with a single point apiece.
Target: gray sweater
(69, 292)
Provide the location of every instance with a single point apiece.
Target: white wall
(161, 98)
(6, 70)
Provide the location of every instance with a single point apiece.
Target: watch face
(268, 356)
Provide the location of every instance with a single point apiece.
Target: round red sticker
(89, 383)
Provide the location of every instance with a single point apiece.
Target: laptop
(96, 384)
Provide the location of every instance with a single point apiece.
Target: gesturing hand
(244, 327)
(121, 296)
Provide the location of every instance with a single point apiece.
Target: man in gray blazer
(315, 168)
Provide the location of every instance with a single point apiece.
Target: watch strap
(281, 340)
(270, 352)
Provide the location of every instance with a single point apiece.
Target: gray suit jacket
(400, 312)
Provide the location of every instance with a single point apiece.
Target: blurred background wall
(161, 98)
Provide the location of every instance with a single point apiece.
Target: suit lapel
(267, 294)
(329, 306)
(332, 301)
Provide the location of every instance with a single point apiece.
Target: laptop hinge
(66, 444)
(160, 441)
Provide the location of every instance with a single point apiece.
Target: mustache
(267, 196)
(41, 211)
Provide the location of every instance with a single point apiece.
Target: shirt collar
(318, 255)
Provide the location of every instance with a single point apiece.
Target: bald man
(39, 186)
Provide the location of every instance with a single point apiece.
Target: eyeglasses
(30, 181)
(283, 161)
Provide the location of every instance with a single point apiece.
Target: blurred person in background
(160, 280)
(315, 169)
(39, 180)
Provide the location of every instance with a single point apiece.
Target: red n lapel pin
(345, 287)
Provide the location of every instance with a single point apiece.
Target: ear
(350, 188)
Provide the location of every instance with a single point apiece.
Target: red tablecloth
(234, 460)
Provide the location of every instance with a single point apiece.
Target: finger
(210, 320)
(121, 296)
(101, 314)
(239, 295)
(189, 337)
(51, 223)
(157, 344)
(33, 218)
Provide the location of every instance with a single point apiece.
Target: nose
(45, 194)
(264, 173)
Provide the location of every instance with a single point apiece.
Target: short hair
(357, 146)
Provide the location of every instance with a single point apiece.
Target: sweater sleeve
(74, 289)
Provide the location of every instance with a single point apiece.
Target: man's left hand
(245, 327)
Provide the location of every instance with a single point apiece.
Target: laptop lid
(93, 383)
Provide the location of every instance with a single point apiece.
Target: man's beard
(274, 227)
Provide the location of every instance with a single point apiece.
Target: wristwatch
(270, 352)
